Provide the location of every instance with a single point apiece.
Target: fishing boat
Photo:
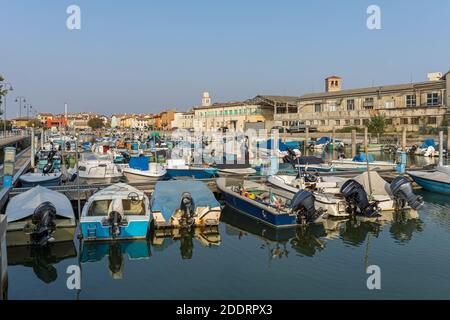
(39, 216)
(306, 163)
(361, 195)
(360, 162)
(116, 212)
(437, 180)
(325, 142)
(274, 207)
(177, 168)
(184, 204)
(234, 169)
(140, 170)
(95, 168)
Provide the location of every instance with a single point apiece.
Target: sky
(144, 56)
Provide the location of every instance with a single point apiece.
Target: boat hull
(96, 231)
(136, 177)
(56, 181)
(431, 185)
(191, 173)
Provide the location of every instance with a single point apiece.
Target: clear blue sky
(143, 56)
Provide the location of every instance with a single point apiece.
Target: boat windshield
(100, 208)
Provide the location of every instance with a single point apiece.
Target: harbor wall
(3, 258)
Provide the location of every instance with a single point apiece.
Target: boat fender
(43, 221)
(357, 200)
(403, 193)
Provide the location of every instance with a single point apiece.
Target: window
(279, 110)
(415, 120)
(404, 121)
(317, 107)
(389, 104)
(411, 100)
(99, 208)
(292, 109)
(347, 121)
(368, 103)
(388, 121)
(357, 122)
(366, 121)
(432, 120)
(131, 208)
(432, 99)
(350, 105)
(332, 108)
(322, 122)
(338, 122)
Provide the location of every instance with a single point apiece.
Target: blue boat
(271, 206)
(437, 180)
(116, 212)
(177, 168)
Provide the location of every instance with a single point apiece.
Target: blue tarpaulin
(323, 140)
(429, 143)
(270, 143)
(167, 196)
(362, 158)
(140, 163)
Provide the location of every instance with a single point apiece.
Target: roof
(223, 105)
(333, 77)
(45, 114)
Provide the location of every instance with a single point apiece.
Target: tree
(96, 123)
(377, 125)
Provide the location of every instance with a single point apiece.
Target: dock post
(333, 143)
(441, 148)
(448, 140)
(305, 145)
(353, 143)
(3, 259)
(32, 148)
(366, 151)
(404, 139)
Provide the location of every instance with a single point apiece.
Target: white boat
(348, 163)
(331, 196)
(119, 211)
(33, 179)
(184, 204)
(38, 216)
(94, 169)
(155, 172)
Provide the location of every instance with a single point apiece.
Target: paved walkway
(12, 140)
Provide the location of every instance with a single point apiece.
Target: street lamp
(5, 85)
(28, 107)
(20, 99)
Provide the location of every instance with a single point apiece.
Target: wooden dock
(3, 259)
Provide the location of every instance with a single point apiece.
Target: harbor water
(244, 259)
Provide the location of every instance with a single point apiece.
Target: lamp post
(5, 85)
(28, 107)
(20, 99)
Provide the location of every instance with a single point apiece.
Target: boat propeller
(43, 224)
(403, 193)
(358, 202)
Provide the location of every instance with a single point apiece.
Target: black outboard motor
(188, 208)
(303, 204)
(114, 220)
(403, 192)
(358, 202)
(48, 168)
(44, 225)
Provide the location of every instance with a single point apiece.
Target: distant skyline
(145, 56)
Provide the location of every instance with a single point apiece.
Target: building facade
(411, 105)
(183, 120)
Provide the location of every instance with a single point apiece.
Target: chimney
(333, 84)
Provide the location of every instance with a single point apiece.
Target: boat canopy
(167, 196)
(362, 157)
(323, 140)
(269, 144)
(139, 163)
(24, 205)
(377, 185)
(310, 160)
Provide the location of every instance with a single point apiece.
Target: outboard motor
(43, 221)
(48, 168)
(303, 204)
(358, 202)
(188, 208)
(114, 220)
(403, 193)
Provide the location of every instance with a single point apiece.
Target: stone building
(412, 105)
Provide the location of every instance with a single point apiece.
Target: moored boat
(437, 180)
(116, 212)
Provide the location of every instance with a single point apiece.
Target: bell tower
(333, 84)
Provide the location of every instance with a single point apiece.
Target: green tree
(377, 125)
(96, 123)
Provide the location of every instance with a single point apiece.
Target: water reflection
(115, 251)
(42, 260)
(206, 236)
(309, 240)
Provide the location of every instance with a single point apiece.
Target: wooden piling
(441, 148)
(333, 146)
(3, 259)
(306, 140)
(448, 140)
(404, 139)
(353, 143)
